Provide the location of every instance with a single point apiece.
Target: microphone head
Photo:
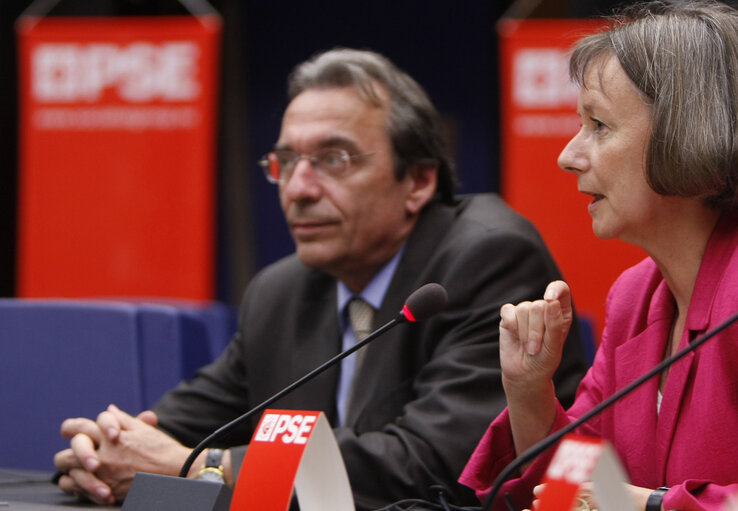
(424, 302)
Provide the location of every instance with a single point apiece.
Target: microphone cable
(424, 505)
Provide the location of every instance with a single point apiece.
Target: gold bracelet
(215, 470)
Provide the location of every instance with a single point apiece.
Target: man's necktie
(361, 315)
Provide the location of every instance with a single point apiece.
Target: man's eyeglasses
(279, 165)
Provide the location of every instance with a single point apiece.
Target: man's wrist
(228, 468)
(197, 465)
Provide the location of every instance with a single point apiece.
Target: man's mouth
(307, 227)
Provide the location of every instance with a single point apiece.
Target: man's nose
(303, 182)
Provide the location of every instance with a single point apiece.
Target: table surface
(26, 490)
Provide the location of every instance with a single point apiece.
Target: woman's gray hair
(683, 57)
(413, 124)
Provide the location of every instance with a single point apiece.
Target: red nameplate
(292, 449)
(581, 459)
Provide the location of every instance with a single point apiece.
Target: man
(367, 191)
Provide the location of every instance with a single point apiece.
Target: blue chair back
(70, 358)
(589, 341)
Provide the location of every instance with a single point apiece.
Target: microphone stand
(223, 430)
(155, 492)
(550, 440)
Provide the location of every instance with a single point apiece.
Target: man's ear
(423, 180)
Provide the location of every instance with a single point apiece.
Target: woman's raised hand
(532, 336)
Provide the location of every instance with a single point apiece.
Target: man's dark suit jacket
(428, 390)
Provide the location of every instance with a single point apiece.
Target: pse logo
(291, 429)
(138, 72)
(574, 461)
(541, 79)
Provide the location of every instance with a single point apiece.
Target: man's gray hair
(683, 58)
(413, 124)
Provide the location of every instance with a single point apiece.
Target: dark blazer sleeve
(287, 326)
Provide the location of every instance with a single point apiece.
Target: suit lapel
(318, 339)
(432, 226)
(427, 234)
(676, 385)
(635, 415)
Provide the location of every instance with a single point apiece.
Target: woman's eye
(598, 125)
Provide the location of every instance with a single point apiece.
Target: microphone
(423, 303)
(537, 449)
(148, 490)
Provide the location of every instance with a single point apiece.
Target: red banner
(117, 156)
(538, 118)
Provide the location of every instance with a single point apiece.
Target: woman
(658, 153)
